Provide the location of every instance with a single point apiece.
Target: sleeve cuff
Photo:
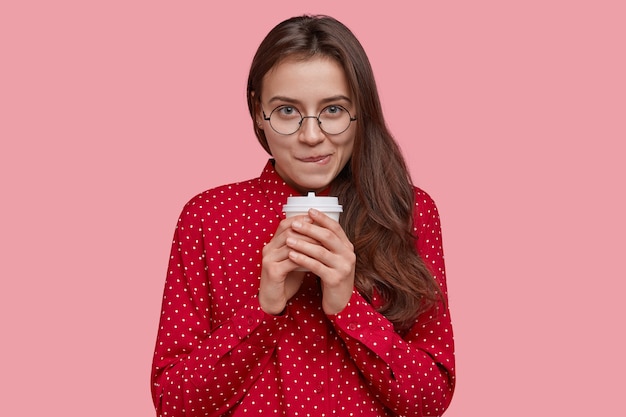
(360, 321)
(262, 328)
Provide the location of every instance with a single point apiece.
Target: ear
(258, 113)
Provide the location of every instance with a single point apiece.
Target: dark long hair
(374, 188)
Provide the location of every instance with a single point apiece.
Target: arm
(413, 374)
(201, 367)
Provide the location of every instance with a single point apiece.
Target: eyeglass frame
(319, 122)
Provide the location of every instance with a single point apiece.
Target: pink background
(511, 114)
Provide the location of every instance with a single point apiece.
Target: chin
(314, 187)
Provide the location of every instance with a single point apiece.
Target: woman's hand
(279, 281)
(326, 251)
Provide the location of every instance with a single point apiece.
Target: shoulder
(424, 203)
(427, 230)
(224, 198)
(426, 220)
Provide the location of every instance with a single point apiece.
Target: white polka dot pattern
(218, 353)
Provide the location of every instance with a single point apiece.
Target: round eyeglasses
(332, 120)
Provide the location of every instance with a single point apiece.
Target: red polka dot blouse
(219, 354)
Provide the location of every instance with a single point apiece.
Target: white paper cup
(298, 206)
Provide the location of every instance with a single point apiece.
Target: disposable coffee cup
(298, 206)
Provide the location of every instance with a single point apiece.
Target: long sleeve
(201, 367)
(413, 375)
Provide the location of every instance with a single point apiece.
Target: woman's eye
(333, 110)
(287, 111)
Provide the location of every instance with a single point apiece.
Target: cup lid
(304, 203)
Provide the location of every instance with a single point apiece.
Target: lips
(319, 158)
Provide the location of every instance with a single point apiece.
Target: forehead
(305, 80)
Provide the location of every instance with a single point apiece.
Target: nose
(310, 133)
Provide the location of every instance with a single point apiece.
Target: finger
(333, 270)
(285, 224)
(310, 264)
(283, 230)
(329, 265)
(310, 250)
(326, 221)
(276, 270)
(327, 232)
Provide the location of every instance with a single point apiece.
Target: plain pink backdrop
(511, 115)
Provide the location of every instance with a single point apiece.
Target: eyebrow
(338, 97)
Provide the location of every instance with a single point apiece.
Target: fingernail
(313, 212)
(296, 224)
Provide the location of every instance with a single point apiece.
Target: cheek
(347, 146)
(274, 145)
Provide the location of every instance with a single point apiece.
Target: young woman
(367, 331)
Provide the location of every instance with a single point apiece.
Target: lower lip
(322, 161)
